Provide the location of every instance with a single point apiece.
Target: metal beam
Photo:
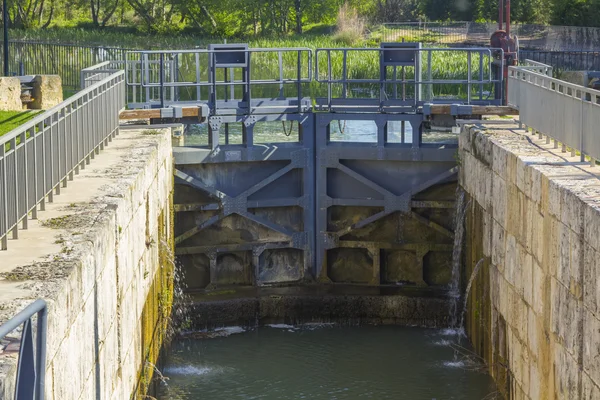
(432, 204)
(188, 234)
(196, 207)
(198, 184)
(268, 224)
(350, 172)
(224, 248)
(434, 225)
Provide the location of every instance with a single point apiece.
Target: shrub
(350, 27)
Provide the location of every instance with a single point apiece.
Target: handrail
(568, 113)
(537, 66)
(163, 76)
(40, 155)
(98, 72)
(480, 65)
(31, 369)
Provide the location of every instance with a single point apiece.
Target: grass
(361, 65)
(9, 120)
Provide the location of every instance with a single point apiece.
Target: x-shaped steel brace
(239, 204)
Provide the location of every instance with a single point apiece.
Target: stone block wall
(535, 221)
(109, 288)
(10, 94)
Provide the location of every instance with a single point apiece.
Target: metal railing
(66, 60)
(565, 60)
(430, 75)
(31, 368)
(563, 111)
(538, 67)
(40, 156)
(160, 78)
(99, 72)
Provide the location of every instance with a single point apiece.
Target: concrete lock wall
(108, 275)
(533, 313)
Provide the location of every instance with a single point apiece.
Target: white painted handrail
(567, 113)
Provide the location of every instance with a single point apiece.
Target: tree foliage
(246, 17)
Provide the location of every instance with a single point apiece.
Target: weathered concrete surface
(10, 94)
(99, 255)
(341, 304)
(534, 313)
(47, 92)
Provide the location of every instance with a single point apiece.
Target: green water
(324, 363)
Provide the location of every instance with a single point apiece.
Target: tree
(156, 14)
(32, 13)
(102, 10)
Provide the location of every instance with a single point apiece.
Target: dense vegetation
(228, 18)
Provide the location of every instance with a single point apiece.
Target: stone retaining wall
(102, 258)
(535, 222)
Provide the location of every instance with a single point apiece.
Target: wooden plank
(188, 112)
(445, 109)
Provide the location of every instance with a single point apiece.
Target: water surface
(324, 363)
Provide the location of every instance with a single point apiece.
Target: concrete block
(576, 264)
(47, 92)
(538, 289)
(10, 94)
(108, 357)
(487, 234)
(498, 245)
(534, 382)
(514, 214)
(511, 259)
(554, 199)
(563, 273)
(558, 308)
(511, 168)
(592, 226)
(106, 299)
(572, 210)
(589, 389)
(534, 329)
(566, 375)
(500, 195)
(537, 235)
(536, 184)
(552, 245)
(523, 177)
(591, 279)
(591, 345)
(527, 277)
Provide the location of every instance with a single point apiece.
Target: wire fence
(36, 58)
(565, 48)
(531, 36)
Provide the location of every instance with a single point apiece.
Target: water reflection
(358, 131)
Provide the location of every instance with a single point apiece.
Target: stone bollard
(10, 94)
(47, 92)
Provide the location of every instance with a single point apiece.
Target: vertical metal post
(299, 83)
(5, 24)
(429, 77)
(162, 80)
(41, 353)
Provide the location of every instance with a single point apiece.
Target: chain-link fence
(531, 36)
